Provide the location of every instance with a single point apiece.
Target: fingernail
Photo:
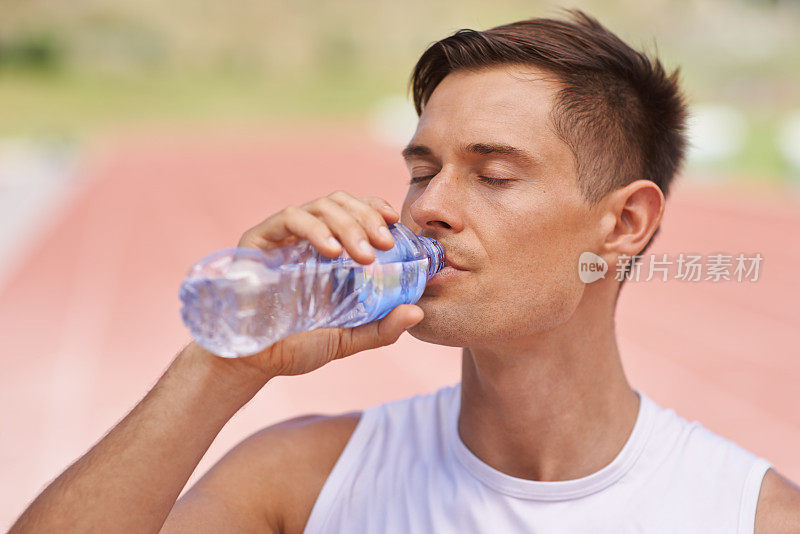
(333, 242)
(385, 232)
(365, 247)
(388, 207)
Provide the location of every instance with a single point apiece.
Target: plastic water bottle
(238, 301)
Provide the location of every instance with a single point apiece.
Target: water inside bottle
(244, 306)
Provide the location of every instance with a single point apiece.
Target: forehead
(508, 103)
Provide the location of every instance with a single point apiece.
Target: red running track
(91, 318)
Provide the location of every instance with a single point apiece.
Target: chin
(442, 329)
(436, 338)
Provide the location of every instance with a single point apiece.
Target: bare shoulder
(778, 508)
(268, 482)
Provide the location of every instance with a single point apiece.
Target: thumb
(378, 333)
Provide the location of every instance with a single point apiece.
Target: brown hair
(619, 112)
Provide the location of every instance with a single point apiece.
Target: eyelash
(485, 179)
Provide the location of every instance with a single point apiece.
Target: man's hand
(328, 223)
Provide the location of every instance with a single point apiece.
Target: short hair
(622, 116)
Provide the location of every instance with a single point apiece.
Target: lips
(449, 263)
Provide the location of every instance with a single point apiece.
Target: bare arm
(129, 480)
(778, 510)
(267, 483)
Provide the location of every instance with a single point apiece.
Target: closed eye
(493, 181)
(485, 179)
(417, 179)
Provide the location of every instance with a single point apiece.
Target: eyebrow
(483, 149)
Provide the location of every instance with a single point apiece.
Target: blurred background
(136, 137)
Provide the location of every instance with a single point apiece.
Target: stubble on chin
(442, 327)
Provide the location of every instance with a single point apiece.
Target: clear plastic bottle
(238, 301)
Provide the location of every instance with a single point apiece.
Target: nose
(436, 210)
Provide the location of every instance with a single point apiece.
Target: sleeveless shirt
(406, 470)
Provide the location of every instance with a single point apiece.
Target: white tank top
(406, 470)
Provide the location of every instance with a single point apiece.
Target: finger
(390, 215)
(370, 219)
(377, 333)
(293, 222)
(345, 227)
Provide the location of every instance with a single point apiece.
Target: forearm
(129, 481)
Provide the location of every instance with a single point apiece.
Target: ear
(636, 212)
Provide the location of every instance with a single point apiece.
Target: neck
(555, 407)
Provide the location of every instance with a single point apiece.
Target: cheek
(539, 279)
(556, 236)
(534, 299)
(542, 244)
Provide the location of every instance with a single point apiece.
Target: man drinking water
(537, 141)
